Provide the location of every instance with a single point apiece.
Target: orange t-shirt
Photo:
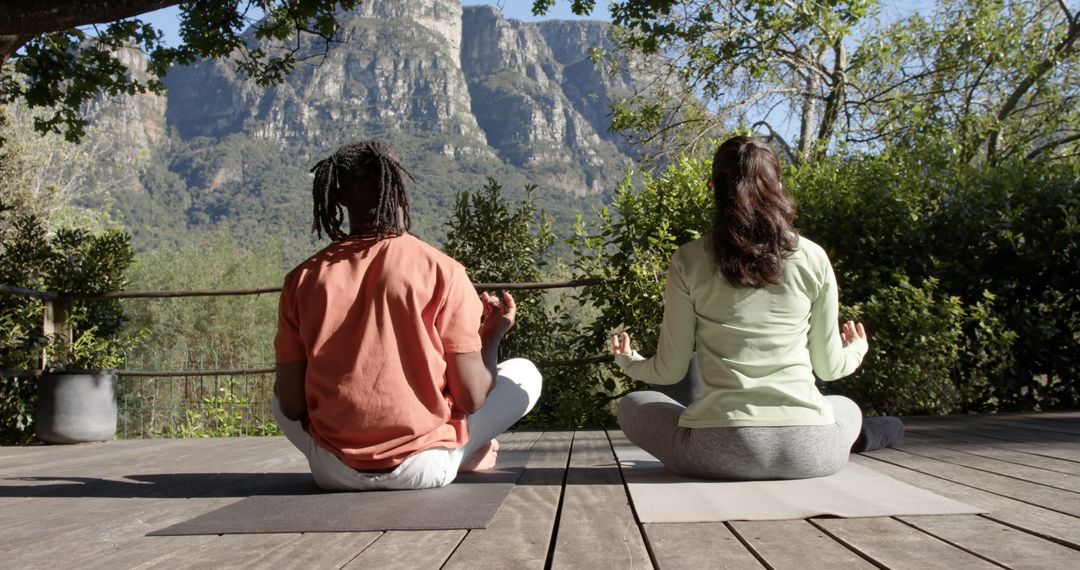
(375, 321)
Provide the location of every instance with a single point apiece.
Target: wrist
(491, 336)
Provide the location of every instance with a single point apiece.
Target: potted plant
(80, 335)
(76, 394)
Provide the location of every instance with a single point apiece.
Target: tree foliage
(981, 251)
(996, 78)
(64, 52)
(986, 79)
(206, 332)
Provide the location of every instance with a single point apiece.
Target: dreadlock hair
(753, 227)
(369, 181)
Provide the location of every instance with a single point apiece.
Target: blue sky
(166, 19)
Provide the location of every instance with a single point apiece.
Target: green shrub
(226, 412)
(962, 273)
(497, 244)
(1014, 230)
(1006, 233)
(18, 351)
(198, 333)
(920, 356)
(630, 243)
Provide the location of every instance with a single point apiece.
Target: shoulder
(296, 273)
(688, 255)
(812, 260)
(420, 249)
(693, 251)
(811, 251)
(420, 259)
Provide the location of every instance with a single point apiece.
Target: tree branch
(1060, 52)
(1051, 145)
(1065, 9)
(775, 136)
(42, 16)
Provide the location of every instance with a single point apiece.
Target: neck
(361, 224)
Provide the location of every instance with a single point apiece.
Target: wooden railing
(58, 310)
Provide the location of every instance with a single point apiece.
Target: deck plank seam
(361, 551)
(847, 545)
(1026, 450)
(1037, 427)
(1013, 477)
(1018, 499)
(947, 443)
(1033, 450)
(1032, 532)
(951, 543)
(630, 501)
(553, 541)
(749, 548)
(450, 556)
(468, 532)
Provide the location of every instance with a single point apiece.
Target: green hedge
(962, 273)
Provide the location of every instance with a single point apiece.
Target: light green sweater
(758, 349)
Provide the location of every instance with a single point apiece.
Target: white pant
(516, 391)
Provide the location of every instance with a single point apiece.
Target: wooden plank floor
(90, 506)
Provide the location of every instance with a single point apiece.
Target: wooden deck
(90, 506)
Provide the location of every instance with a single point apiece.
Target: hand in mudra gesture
(852, 330)
(620, 344)
(499, 315)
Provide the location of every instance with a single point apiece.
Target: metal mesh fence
(195, 406)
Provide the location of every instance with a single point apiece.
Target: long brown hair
(753, 229)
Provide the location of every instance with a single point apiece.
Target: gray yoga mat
(660, 496)
(471, 501)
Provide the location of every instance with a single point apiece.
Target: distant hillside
(459, 93)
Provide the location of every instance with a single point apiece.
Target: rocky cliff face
(460, 94)
(470, 82)
(399, 67)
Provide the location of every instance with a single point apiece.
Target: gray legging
(651, 421)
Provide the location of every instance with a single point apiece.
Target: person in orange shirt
(386, 356)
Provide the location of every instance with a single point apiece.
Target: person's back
(759, 304)
(756, 347)
(387, 375)
(378, 401)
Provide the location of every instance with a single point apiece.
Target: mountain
(459, 93)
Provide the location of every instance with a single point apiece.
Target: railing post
(56, 326)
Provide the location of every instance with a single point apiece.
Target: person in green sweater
(758, 303)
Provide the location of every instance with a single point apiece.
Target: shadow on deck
(90, 506)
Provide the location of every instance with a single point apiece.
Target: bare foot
(483, 459)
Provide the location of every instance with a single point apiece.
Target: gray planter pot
(76, 407)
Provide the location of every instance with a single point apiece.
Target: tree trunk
(809, 116)
(9, 44)
(834, 101)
